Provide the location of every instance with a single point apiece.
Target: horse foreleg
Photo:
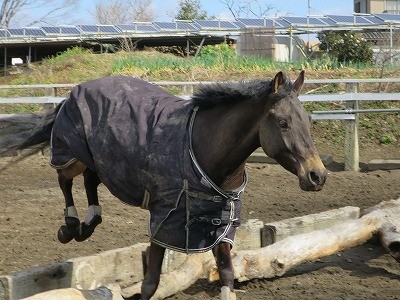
(222, 253)
(65, 178)
(93, 216)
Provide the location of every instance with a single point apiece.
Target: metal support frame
(5, 61)
(200, 46)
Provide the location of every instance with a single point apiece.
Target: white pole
(308, 25)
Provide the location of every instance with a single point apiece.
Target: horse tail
(21, 131)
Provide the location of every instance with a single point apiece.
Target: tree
(190, 10)
(51, 11)
(247, 8)
(347, 46)
(123, 11)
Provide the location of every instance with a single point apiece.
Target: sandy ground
(32, 211)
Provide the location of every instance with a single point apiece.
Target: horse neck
(223, 138)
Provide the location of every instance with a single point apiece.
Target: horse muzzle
(313, 180)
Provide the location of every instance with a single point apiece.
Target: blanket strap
(233, 195)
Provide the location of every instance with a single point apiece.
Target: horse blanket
(136, 137)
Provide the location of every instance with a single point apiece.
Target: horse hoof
(65, 234)
(134, 297)
(85, 231)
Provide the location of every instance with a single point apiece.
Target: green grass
(215, 64)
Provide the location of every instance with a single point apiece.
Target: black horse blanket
(136, 137)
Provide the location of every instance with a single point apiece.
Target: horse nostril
(314, 177)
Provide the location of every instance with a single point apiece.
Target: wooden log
(278, 258)
(276, 231)
(390, 238)
(193, 268)
(101, 293)
(226, 294)
(248, 235)
(84, 273)
(390, 231)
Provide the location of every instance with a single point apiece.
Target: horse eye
(283, 124)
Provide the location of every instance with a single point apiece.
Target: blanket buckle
(216, 221)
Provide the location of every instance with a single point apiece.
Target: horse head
(285, 133)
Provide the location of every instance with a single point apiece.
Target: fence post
(351, 149)
(51, 92)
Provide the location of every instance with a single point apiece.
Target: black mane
(230, 92)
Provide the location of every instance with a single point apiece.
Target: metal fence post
(351, 149)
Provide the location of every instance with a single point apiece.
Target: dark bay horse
(182, 160)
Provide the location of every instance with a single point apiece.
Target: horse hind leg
(93, 216)
(65, 179)
(153, 271)
(222, 254)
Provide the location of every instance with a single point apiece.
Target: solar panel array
(176, 26)
(356, 19)
(216, 24)
(137, 27)
(202, 25)
(61, 30)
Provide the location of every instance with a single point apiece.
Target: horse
(182, 160)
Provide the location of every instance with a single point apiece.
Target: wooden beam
(276, 231)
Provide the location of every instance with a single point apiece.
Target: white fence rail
(349, 115)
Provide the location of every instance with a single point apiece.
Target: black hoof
(134, 297)
(85, 231)
(66, 234)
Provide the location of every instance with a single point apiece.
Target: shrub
(346, 46)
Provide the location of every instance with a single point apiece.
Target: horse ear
(278, 81)
(298, 84)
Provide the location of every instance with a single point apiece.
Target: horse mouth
(312, 175)
(314, 180)
(310, 188)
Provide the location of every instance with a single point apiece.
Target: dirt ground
(32, 211)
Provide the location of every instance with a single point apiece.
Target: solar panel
(342, 19)
(215, 24)
(251, 22)
(357, 20)
(34, 32)
(127, 27)
(388, 17)
(362, 20)
(373, 19)
(69, 30)
(99, 29)
(280, 23)
(167, 25)
(89, 28)
(137, 27)
(186, 26)
(304, 21)
(61, 30)
(174, 26)
(51, 29)
(15, 31)
(108, 29)
(327, 21)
